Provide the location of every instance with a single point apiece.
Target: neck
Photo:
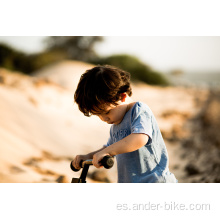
(129, 103)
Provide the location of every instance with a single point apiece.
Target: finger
(74, 162)
(99, 165)
(95, 163)
(77, 162)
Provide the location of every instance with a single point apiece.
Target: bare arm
(128, 144)
(78, 158)
(90, 155)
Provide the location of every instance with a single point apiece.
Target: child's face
(113, 114)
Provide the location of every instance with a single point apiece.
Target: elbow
(143, 139)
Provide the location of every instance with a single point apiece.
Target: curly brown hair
(101, 86)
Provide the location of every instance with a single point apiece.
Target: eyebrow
(100, 112)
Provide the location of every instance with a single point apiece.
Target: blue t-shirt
(148, 164)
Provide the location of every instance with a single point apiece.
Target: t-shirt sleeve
(141, 121)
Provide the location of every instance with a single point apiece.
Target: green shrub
(11, 58)
(15, 60)
(138, 70)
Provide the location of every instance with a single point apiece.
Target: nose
(104, 118)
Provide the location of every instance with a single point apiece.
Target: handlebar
(106, 161)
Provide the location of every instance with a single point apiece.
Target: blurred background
(41, 128)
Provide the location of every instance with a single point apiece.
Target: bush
(138, 70)
(10, 58)
(15, 60)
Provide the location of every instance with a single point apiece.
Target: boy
(135, 138)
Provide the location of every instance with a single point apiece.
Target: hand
(77, 160)
(97, 158)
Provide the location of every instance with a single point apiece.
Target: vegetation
(139, 71)
(15, 60)
(57, 49)
(76, 48)
(11, 58)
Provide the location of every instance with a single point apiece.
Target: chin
(115, 123)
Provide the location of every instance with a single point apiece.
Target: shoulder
(140, 108)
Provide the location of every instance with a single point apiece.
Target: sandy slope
(41, 129)
(65, 73)
(39, 118)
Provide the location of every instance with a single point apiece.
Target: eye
(107, 112)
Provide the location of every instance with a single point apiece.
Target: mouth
(109, 122)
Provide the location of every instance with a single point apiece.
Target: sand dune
(65, 73)
(41, 129)
(36, 117)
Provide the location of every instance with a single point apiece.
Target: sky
(161, 53)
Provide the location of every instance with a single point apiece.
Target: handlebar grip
(107, 162)
(73, 168)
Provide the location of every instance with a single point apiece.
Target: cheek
(117, 115)
(100, 118)
(103, 118)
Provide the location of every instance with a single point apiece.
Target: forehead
(102, 109)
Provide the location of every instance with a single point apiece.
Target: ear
(123, 97)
